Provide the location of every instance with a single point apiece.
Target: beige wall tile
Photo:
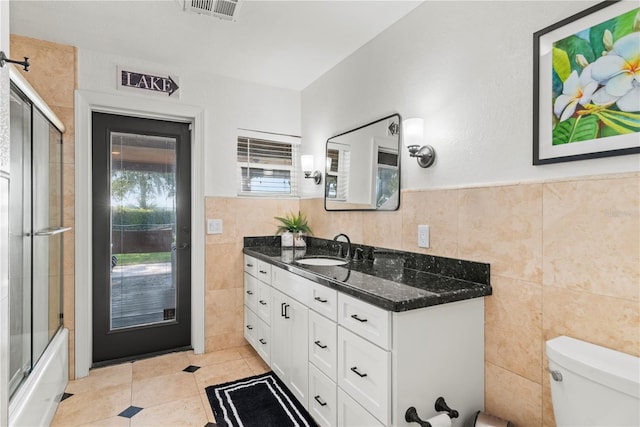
(548, 419)
(224, 312)
(503, 226)
(512, 397)
(223, 266)
(52, 73)
(592, 236)
(221, 208)
(513, 327)
(383, 229)
(605, 321)
(328, 224)
(68, 303)
(439, 210)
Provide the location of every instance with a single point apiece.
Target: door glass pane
(143, 230)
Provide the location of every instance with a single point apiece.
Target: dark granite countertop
(390, 279)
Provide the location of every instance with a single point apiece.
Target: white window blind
(267, 164)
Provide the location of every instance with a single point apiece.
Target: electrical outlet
(423, 236)
(214, 226)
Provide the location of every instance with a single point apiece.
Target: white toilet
(593, 385)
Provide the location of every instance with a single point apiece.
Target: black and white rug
(260, 401)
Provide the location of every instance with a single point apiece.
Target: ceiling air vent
(223, 9)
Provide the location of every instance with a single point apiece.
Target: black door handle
(184, 246)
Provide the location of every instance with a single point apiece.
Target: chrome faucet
(341, 253)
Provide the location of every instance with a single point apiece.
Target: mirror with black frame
(363, 167)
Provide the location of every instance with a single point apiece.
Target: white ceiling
(278, 43)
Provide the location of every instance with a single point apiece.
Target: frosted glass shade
(412, 132)
(306, 162)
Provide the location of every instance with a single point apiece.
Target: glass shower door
(20, 243)
(35, 234)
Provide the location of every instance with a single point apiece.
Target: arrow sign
(131, 79)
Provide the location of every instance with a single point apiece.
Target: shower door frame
(86, 103)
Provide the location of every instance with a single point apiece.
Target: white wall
(466, 68)
(229, 104)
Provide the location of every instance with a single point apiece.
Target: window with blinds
(267, 166)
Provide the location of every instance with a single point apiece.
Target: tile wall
(565, 259)
(53, 75)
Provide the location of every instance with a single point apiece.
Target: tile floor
(161, 391)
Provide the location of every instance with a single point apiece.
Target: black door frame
(111, 346)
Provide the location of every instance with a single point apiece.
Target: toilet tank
(593, 385)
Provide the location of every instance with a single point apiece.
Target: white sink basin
(322, 261)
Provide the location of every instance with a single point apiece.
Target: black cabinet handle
(249, 265)
(320, 299)
(282, 312)
(317, 398)
(249, 292)
(286, 314)
(355, 369)
(262, 341)
(355, 316)
(319, 344)
(263, 302)
(263, 272)
(249, 327)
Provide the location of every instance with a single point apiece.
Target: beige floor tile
(92, 406)
(222, 373)
(101, 378)
(154, 391)
(207, 407)
(246, 351)
(110, 422)
(257, 365)
(160, 365)
(185, 412)
(215, 357)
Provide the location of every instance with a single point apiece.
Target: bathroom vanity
(360, 343)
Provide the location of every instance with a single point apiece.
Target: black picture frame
(546, 149)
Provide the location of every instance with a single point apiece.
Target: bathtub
(35, 402)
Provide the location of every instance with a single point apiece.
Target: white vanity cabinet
(351, 363)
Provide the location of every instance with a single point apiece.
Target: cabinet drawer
(251, 292)
(263, 302)
(323, 344)
(251, 265)
(351, 414)
(366, 320)
(322, 398)
(324, 301)
(294, 286)
(250, 326)
(263, 341)
(264, 271)
(364, 371)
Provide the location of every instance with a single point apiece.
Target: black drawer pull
(286, 314)
(355, 369)
(249, 327)
(282, 312)
(262, 341)
(251, 293)
(317, 398)
(249, 265)
(263, 272)
(355, 316)
(319, 344)
(320, 299)
(263, 302)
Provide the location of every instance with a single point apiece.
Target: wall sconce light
(307, 166)
(413, 138)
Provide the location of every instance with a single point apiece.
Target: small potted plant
(293, 227)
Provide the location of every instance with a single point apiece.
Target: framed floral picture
(587, 85)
